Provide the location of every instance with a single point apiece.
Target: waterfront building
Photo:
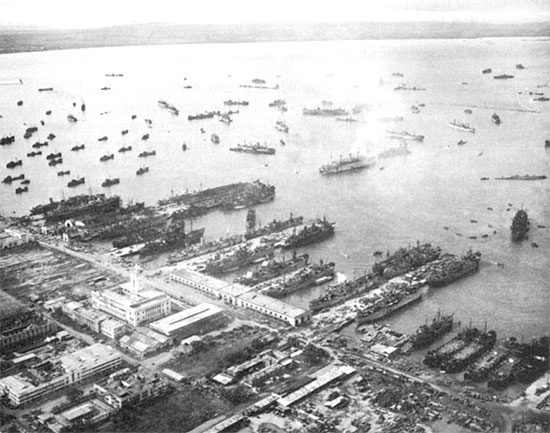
(188, 322)
(53, 375)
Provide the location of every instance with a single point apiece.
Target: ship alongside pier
(314, 232)
(406, 259)
(427, 334)
(273, 269)
(273, 226)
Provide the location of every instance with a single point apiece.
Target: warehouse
(188, 322)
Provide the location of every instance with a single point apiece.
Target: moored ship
(173, 237)
(274, 227)
(522, 177)
(272, 269)
(451, 268)
(404, 135)
(110, 182)
(243, 256)
(142, 170)
(77, 206)
(324, 112)
(427, 334)
(406, 259)
(338, 293)
(254, 148)
(520, 225)
(351, 162)
(314, 232)
(75, 182)
(281, 126)
(462, 126)
(215, 139)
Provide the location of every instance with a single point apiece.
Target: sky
(68, 14)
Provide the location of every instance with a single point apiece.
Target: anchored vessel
(524, 177)
(253, 148)
(402, 150)
(325, 112)
(351, 162)
(462, 126)
(495, 119)
(315, 232)
(451, 268)
(110, 182)
(75, 182)
(405, 135)
(520, 225)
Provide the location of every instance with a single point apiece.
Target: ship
(487, 71)
(258, 81)
(71, 118)
(314, 232)
(142, 170)
(481, 369)
(14, 163)
(39, 144)
(324, 112)
(225, 118)
(541, 99)
(25, 182)
(215, 139)
(281, 126)
(50, 136)
(346, 119)
(404, 135)
(394, 297)
(107, 157)
(110, 182)
(427, 334)
(496, 119)
(75, 182)
(145, 137)
(277, 103)
(7, 140)
(462, 350)
(34, 153)
(125, 149)
(303, 279)
(124, 132)
(54, 162)
(520, 66)
(190, 211)
(351, 162)
(77, 206)
(520, 225)
(146, 154)
(174, 237)
(204, 248)
(63, 173)
(10, 179)
(405, 260)
(401, 150)
(254, 148)
(21, 190)
(232, 102)
(104, 138)
(45, 89)
(451, 268)
(77, 148)
(462, 126)
(338, 293)
(53, 155)
(503, 77)
(272, 269)
(274, 227)
(524, 177)
(236, 259)
(208, 115)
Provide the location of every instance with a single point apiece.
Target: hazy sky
(97, 13)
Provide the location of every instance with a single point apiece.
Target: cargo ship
(440, 357)
(125, 149)
(487, 71)
(277, 103)
(307, 277)
(54, 162)
(404, 135)
(34, 153)
(496, 119)
(173, 237)
(236, 259)
(274, 227)
(324, 112)
(39, 144)
(401, 150)
(338, 293)
(272, 269)
(520, 225)
(204, 248)
(524, 177)
(76, 206)
(21, 190)
(77, 148)
(231, 196)
(427, 334)
(481, 369)
(405, 260)
(14, 163)
(10, 179)
(71, 118)
(232, 102)
(315, 232)
(110, 182)
(53, 155)
(253, 148)
(146, 154)
(451, 268)
(503, 77)
(462, 126)
(208, 115)
(75, 182)
(7, 140)
(351, 162)
(107, 157)
(463, 357)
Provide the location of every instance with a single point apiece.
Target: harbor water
(430, 195)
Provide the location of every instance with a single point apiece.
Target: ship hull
(407, 300)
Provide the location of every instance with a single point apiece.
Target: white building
(187, 322)
(132, 303)
(72, 368)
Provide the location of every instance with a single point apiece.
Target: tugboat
(315, 232)
(462, 126)
(27, 181)
(75, 182)
(21, 190)
(142, 170)
(427, 334)
(15, 163)
(215, 139)
(124, 132)
(77, 148)
(487, 71)
(231, 102)
(351, 162)
(495, 119)
(110, 182)
(107, 157)
(520, 225)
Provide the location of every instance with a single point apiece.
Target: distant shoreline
(21, 41)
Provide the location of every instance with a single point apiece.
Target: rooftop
(197, 277)
(275, 305)
(88, 356)
(184, 318)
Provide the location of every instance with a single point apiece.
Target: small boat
(77, 148)
(125, 149)
(145, 154)
(461, 142)
(489, 208)
(14, 163)
(48, 112)
(496, 119)
(25, 182)
(133, 116)
(51, 136)
(34, 153)
(104, 138)
(45, 89)
(520, 66)
(142, 170)
(107, 157)
(124, 132)
(484, 178)
(485, 236)
(503, 77)
(71, 118)
(473, 221)
(105, 88)
(215, 139)
(184, 147)
(63, 173)
(83, 107)
(110, 182)
(19, 103)
(202, 131)
(21, 190)
(54, 162)
(534, 245)
(487, 71)
(145, 137)
(461, 126)
(75, 182)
